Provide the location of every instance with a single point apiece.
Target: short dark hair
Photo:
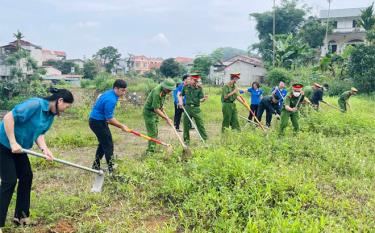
(64, 94)
(120, 83)
(185, 77)
(255, 83)
(276, 97)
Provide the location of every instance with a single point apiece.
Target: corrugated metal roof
(341, 13)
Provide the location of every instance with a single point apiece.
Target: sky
(157, 28)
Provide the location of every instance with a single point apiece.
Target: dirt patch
(62, 226)
(154, 223)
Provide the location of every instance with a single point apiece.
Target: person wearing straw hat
(290, 108)
(194, 95)
(27, 123)
(343, 100)
(153, 109)
(228, 96)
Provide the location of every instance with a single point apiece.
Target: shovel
(243, 101)
(249, 121)
(149, 138)
(99, 179)
(193, 123)
(186, 150)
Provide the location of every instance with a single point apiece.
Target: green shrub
(278, 74)
(361, 68)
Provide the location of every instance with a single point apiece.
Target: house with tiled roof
(251, 69)
(143, 64)
(52, 55)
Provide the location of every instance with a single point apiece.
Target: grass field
(323, 180)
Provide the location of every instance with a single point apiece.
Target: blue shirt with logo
(32, 118)
(177, 90)
(104, 107)
(255, 95)
(281, 94)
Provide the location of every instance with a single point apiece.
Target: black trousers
(177, 116)
(269, 113)
(254, 108)
(104, 136)
(13, 167)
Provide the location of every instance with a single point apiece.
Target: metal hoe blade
(98, 183)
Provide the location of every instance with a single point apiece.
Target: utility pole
(273, 34)
(328, 16)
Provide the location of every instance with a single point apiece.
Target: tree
(367, 20)
(109, 57)
(276, 75)
(19, 36)
(225, 53)
(202, 65)
(361, 68)
(154, 74)
(64, 66)
(90, 69)
(291, 51)
(25, 76)
(171, 69)
(313, 32)
(288, 19)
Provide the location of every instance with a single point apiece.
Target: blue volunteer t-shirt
(176, 91)
(255, 95)
(281, 94)
(104, 107)
(32, 118)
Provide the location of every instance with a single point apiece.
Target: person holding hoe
(281, 93)
(101, 116)
(25, 124)
(270, 105)
(153, 109)
(228, 96)
(256, 96)
(291, 108)
(317, 96)
(193, 94)
(343, 101)
(176, 93)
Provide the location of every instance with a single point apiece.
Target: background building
(251, 70)
(346, 30)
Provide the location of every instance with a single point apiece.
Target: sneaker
(23, 222)
(178, 130)
(96, 165)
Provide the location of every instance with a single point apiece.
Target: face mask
(296, 94)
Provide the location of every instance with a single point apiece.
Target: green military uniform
(154, 100)
(343, 99)
(229, 109)
(193, 95)
(290, 101)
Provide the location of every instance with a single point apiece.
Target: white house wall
(249, 73)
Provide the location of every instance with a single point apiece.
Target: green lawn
(323, 180)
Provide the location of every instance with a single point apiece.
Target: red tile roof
(184, 60)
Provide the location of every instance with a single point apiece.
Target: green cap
(169, 84)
